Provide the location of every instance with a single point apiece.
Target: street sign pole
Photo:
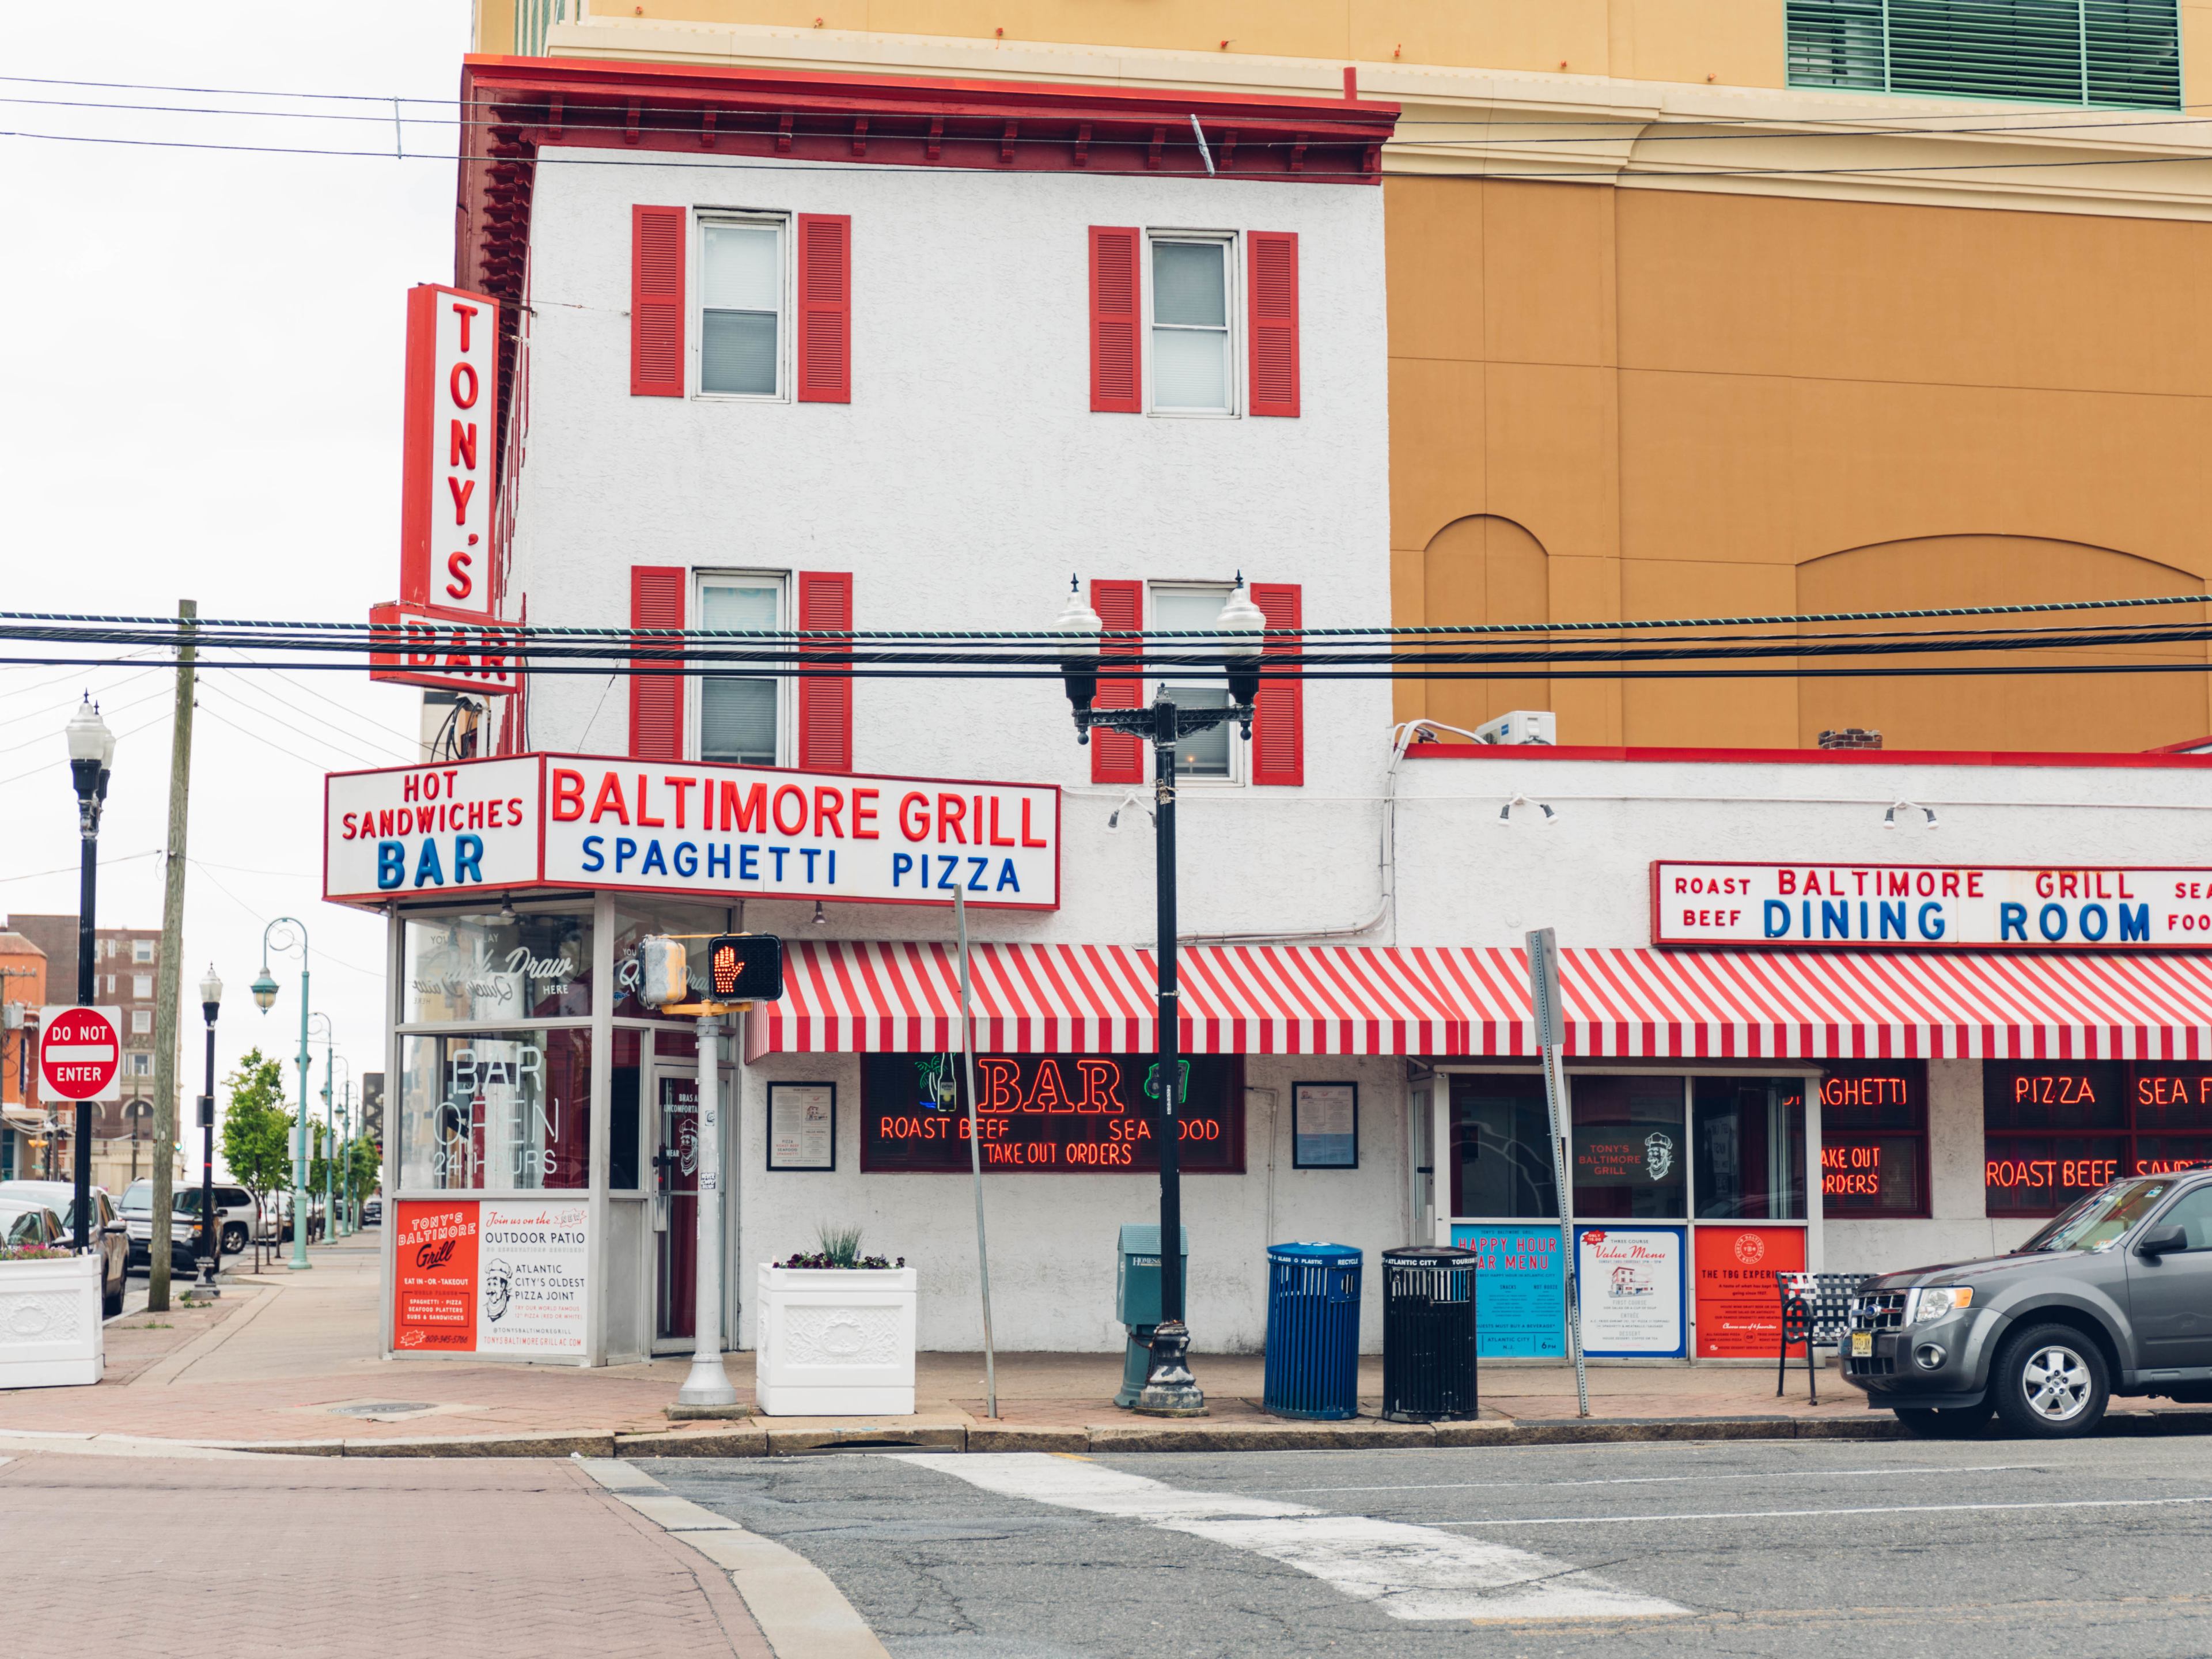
(81, 1059)
(1551, 1032)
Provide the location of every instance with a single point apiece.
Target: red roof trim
(2155, 759)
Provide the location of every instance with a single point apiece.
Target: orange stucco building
(1701, 307)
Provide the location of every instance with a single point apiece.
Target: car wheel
(111, 1299)
(233, 1240)
(2050, 1383)
(1943, 1422)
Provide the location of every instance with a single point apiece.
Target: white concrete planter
(835, 1341)
(50, 1334)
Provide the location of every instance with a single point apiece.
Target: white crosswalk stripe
(1411, 1572)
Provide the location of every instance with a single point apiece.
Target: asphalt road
(1990, 1546)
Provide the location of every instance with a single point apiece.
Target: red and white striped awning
(842, 997)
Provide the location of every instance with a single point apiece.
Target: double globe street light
(1232, 646)
(264, 998)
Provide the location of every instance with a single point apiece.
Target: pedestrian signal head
(745, 968)
(663, 975)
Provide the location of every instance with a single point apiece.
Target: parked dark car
(59, 1198)
(233, 1214)
(138, 1218)
(2113, 1297)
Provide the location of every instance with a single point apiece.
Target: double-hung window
(741, 717)
(1192, 338)
(741, 308)
(1195, 607)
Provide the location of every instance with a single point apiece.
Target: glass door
(676, 1203)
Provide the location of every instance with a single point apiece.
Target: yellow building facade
(1707, 307)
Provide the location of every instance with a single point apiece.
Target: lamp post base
(206, 1285)
(1170, 1389)
(708, 1384)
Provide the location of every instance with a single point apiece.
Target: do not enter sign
(81, 1053)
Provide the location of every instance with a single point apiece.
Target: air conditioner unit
(1522, 726)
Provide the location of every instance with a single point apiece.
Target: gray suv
(2113, 1297)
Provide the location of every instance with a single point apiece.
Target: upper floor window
(142, 986)
(141, 949)
(1191, 307)
(1196, 607)
(741, 298)
(741, 718)
(2124, 52)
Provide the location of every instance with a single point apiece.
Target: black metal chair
(1816, 1310)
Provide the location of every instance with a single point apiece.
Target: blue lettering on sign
(1778, 918)
(1007, 878)
(951, 865)
(778, 854)
(2134, 925)
(1836, 919)
(718, 859)
(976, 881)
(2051, 922)
(810, 853)
(1931, 920)
(625, 849)
(2101, 918)
(687, 859)
(900, 863)
(427, 867)
(390, 864)
(1892, 920)
(747, 862)
(593, 858)
(468, 859)
(653, 860)
(2011, 923)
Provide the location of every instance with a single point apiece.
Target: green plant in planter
(840, 1247)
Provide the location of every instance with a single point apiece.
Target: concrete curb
(759, 1438)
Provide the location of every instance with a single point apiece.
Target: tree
(256, 1132)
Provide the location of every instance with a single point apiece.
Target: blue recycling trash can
(1313, 1331)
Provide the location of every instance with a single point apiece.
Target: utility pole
(165, 987)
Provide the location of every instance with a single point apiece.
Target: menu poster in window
(531, 1278)
(1739, 1308)
(802, 1126)
(1324, 1126)
(434, 1282)
(1520, 1280)
(1631, 1284)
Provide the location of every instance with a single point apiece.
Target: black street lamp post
(1171, 1390)
(210, 1234)
(91, 752)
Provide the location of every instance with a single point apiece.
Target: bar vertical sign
(1544, 1009)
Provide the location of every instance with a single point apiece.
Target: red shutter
(825, 704)
(1116, 757)
(1273, 260)
(1279, 719)
(656, 699)
(825, 308)
(656, 301)
(1117, 381)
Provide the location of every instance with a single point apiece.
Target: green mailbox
(1137, 1302)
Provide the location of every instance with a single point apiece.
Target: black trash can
(1313, 1332)
(1428, 1334)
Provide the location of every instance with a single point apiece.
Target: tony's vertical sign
(451, 441)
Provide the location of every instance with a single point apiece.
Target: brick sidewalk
(292, 1362)
(294, 1559)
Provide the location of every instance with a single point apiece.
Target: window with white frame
(142, 1022)
(141, 949)
(741, 300)
(1193, 307)
(1182, 607)
(141, 1064)
(741, 717)
(142, 986)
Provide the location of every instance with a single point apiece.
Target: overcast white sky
(202, 362)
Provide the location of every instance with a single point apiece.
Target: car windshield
(138, 1195)
(2098, 1221)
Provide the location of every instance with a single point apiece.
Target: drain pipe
(1402, 737)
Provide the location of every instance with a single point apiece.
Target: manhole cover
(383, 1408)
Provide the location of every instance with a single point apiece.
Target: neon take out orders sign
(1930, 907)
(700, 831)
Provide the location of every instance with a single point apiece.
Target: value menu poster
(434, 1287)
(1630, 1283)
(1519, 1289)
(1739, 1309)
(531, 1278)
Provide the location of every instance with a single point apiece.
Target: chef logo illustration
(1658, 1153)
(497, 1282)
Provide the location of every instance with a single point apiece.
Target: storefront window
(694, 924)
(1501, 1158)
(482, 968)
(1874, 1140)
(1628, 1148)
(2100, 1121)
(622, 1129)
(496, 1111)
(1750, 1142)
